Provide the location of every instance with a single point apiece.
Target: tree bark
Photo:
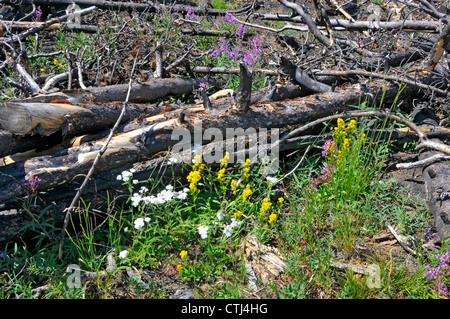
(437, 187)
(138, 144)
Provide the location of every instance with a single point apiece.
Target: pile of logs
(81, 139)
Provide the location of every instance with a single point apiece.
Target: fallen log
(140, 93)
(437, 185)
(13, 144)
(140, 143)
(41, 118)
(88, 124)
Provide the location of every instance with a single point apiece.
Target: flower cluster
(203, 4)
(439, 272)
(183, 254)
(140, 222)
(126, 175)
(253, 56)
(223, 166)
(33, 184)
(203, 86)
(246, 193)
(196, 174)
(336, 150)
(57, 63)
(246, 170)
(265, 206)
(228, 228)
(203, 231)
(162, 197)
(229, 19)
(37, 15)
(237, 53)
(190, 14)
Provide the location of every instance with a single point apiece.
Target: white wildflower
(272, 180)
(227, 230)
(135, 181)
(203, 231)
(143, 190)
(220, 215)
(181, 195)
(123, 254)
(126, 175)
(139, 223)
(234, 223)
(136, 199)
(147, 219)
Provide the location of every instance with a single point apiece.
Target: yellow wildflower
(221, 174)
(247, 192)
(183, 254)
(351, 128)
(362, 139)
(265, 206)
(224, 162)
(179, 267)
(198, 163)
(237, 214)
(281, 200)
(233, 186)
(272, 218)
(193, 178)
(246, 169)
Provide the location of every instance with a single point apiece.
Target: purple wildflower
(37, 15)
(203, 5)
(190, 14)
(240, 31)
(230, 18)
(328, 148)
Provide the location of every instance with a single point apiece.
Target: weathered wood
(12, 144)
(145, 92)
(137, 144)
(437, 183)
(244, 93)
(42, 118)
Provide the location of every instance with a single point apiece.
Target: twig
(46, 24)
(91, 171)
(424, 162)
(401, 241)
(34, 88)
(298, 164)
(309, 21)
